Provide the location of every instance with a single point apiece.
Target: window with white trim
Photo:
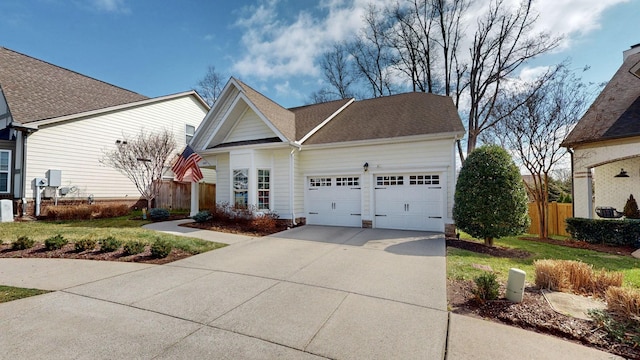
(5, 171)
(241, 188)
(424, 179)
(348, 181)
(264, 189)
(189, 131)
(319, 182)
(390, 180)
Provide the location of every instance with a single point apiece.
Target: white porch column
(582, 193)
(195, 198)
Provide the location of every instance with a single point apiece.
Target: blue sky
(160, 47)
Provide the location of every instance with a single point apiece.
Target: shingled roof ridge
(316, 104)
(72, 71)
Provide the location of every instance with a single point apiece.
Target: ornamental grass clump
(575, 276)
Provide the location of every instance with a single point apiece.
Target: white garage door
(409, 201)
(333, 200)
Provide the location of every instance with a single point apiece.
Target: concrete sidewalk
(338, 293)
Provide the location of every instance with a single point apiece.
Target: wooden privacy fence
(175, 195)
(558, 213)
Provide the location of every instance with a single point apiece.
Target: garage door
(409, 201)
(333, 200)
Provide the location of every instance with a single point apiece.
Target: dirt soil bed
(69, 252)
(610, 249)
(234, 228)
(534, 313)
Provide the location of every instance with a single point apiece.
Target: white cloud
(277, 47)
(112, 6)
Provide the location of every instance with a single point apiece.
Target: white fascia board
(394, 140)
(266, 146)
(115, 108)
(322, 124)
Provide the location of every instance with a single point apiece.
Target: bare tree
(337, 70)
(371, 54)
(142, 159)
(535, 120)
(501, 44)
(210, 86)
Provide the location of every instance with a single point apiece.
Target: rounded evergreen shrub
(110, 244)
(23, 243)
(55, 242)
(631, 208)
(202, 216)
(158, 214)
(487, 287)
(133, 247)
(85, 244)
(490, 198)
(161, 248)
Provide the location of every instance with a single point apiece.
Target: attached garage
(334, 200)
(409, 201)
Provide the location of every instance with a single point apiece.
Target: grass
(121, 228)
(9, 293)
(459, 262)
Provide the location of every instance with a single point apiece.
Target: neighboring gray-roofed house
(606, 143)
(70, 119)
(387, 162)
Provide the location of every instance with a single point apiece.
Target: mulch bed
(234, 228)
(68, 252)
(534, 312)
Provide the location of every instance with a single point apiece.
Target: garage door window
(348, 181)
(319, 182)
(241, 187)
(424, 179)
(390, 180)
(263, 189)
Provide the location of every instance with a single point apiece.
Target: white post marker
(515, 285)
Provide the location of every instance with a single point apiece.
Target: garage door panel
(334, 200)
(409, 201)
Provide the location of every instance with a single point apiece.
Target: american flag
(187, 164)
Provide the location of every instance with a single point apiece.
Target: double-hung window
(264, 189)
(5, 171)
(190, 130)
(241, 188)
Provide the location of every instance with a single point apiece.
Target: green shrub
(490, 198)
(85, 244)
(612, 232)
(110, 244)
(55, 242)
(161, 248)
(157, 214)
(487, 287)
(202, 216)
(133, 247)
(22, 243)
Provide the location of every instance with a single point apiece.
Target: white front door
(409, 201)
(333, 200)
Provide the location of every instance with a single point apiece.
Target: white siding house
(386, 162)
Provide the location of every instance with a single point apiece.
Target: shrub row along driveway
(307, 293)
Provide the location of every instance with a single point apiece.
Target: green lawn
(121, 228)
(459, 262)
(9, 293)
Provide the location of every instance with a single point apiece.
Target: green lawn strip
(9, 293)
(121, 228)
(459, 262)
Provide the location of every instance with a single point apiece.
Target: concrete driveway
(309, 292)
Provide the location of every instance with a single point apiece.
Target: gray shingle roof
(616, 111)
(310, 116)
(399, 115)
(37, 90)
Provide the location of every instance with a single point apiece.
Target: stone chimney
(634, 49)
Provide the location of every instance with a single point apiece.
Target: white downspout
(292, 186)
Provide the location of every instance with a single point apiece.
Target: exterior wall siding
(612, 191)
(437, 156)
(223, 172)
(75, 147)
(249, 127)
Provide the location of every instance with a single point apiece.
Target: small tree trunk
(488, 241)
